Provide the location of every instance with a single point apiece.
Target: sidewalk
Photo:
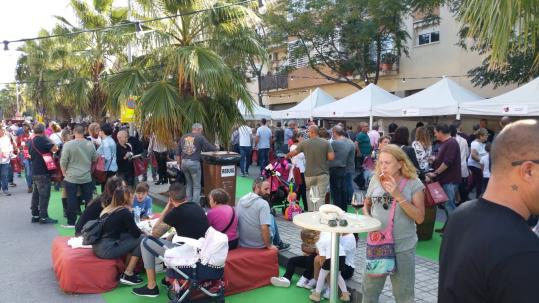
(426, 284)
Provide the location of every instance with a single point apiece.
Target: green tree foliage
(192, 68)
(349, 37)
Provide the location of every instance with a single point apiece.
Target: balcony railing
(271, 82)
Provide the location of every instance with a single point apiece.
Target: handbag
(153, 159)
(140, 165)
(47, 158)
(254, 158)
(92, 231)
(98, 169)
(16, 164)
(381, 258)
(368, 163)
(434, 194)
(57, 176)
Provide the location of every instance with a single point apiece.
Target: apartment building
(433, 53)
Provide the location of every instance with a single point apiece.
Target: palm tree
(193, 66)
(503, 25)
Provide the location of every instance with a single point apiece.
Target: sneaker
(67, 226)
(12, 184)
(30, 190)
(35, 219)
(280, 282)
(345, 297)
(130, 280)
(144, 291)
(283, 246)
(6, 193)
(311, 284)
(47, 221)
(315, 297)
(302, 282)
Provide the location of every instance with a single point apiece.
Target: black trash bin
(219, 170)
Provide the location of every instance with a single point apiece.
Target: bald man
(488, 252)
(317, 153)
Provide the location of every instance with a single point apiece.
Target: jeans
(28, 171)
(41, 195)
(402, 281)
(4, 175)
(193, 176)
(147, 257)
(274, 231)
(72, 202)
(108, 248)
(337, 186)
(10, 173)
(321, 182)
(263, 157)
(245, 154)
(451, 192)
(306, 262)
(348, 177)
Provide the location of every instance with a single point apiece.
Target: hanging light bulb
(403, 80)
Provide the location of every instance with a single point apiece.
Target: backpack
(92, 231)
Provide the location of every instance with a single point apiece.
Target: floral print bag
(381, 246)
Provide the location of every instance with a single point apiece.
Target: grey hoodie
(252, 212)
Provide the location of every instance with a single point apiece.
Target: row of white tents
(443, 98)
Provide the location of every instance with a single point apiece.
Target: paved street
(27, 274)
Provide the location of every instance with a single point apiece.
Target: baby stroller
(277, 173)
(195, 268)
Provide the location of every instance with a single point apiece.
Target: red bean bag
(80, 271)
(249, 268)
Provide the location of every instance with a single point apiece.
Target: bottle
(136, 214)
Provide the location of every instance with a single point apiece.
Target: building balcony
(272, 82)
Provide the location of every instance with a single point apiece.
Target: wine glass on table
(315, 196)
(357, 200)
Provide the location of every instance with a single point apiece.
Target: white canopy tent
(356, 105)
(441, 98)
(522, 101)
(304, 109)
(258, 113)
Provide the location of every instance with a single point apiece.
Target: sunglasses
(520, 162)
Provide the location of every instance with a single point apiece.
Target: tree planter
(426, 229)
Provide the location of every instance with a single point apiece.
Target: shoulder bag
(92, 231)
(381, 258)
(47, 158)
(434, 194)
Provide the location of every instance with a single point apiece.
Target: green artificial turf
(427, 249)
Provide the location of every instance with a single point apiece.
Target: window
(296, 62)
(428, 38)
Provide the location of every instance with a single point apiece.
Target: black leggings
(302, 192)
(306, 262)
(346, 271)
(477, 181)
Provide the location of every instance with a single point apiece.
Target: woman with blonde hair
(423, 148)
(395, 194)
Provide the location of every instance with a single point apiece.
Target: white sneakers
(304, 283)
(280, 282)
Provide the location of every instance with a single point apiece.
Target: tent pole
(370, 122)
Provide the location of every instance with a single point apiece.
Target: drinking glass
(357, 200)
(315, 196)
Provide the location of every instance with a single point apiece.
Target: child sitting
(143, 201)
(308, 246)
(324, 251)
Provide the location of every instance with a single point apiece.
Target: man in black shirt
(189, 220)
(41, 177)
(488, 252)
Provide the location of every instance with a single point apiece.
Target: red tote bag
(98, 169)
(434, 194)
(140, 165)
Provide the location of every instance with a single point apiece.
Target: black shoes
(48, 221)
(130, 280)
(144, 291)
(283, 246)
(35, 219)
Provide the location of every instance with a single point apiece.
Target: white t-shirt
(6, 149)
(349, 244)
(56, 138)
(324, 245)
(480, 148)
(464, 151)
(245, 135)
(264, 137)
(485, 161)
(298, 160)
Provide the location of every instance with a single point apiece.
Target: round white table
(356, 224)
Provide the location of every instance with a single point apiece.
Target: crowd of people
(392, 169)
